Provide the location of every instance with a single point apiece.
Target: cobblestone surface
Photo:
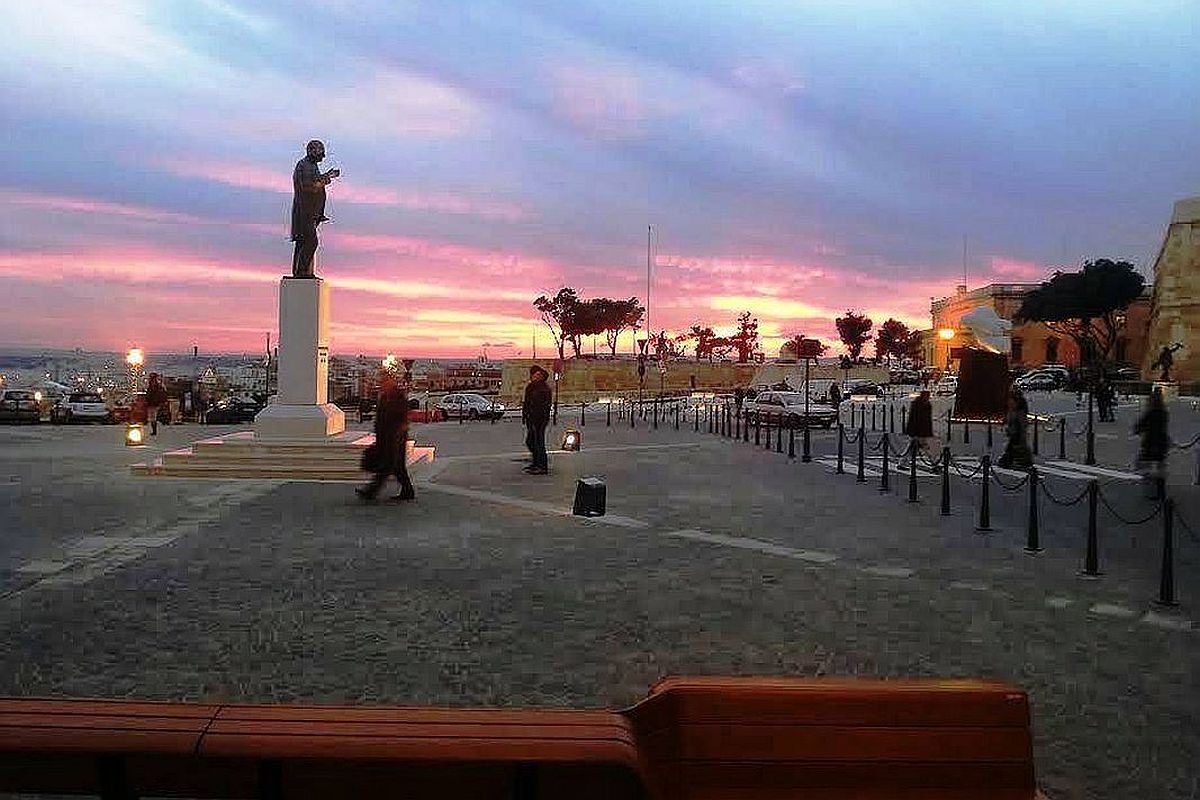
(716, 558)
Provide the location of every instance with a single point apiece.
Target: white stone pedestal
(1170, 390)
(300, 410)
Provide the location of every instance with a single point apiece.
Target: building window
(1122, 348)
(1016, 349)
(1051, 350)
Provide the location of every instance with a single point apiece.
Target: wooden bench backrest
(690, 738)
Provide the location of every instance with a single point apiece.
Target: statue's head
(316, 149)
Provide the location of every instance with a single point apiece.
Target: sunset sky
(796, 158)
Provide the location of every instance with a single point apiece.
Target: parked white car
(790, 406)
(946, 386)
(81, 407)
(470, 406)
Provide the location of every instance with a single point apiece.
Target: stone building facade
(1033, 344)
(1176, 316)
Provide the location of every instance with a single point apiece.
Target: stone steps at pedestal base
(240, 456)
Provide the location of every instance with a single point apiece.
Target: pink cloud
(1014, 269)
(83, 205)
(249, 176)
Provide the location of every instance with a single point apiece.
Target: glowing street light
(135, 357)
(389, 362)
(946, 334)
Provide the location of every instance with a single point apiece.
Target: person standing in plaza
(535, 414)
(1016, 426)
(389, 455)
(1155, 441)
(156, 398)
(919, 425)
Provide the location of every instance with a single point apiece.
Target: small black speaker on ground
(590, 495)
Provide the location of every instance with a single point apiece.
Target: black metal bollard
(608, 414)
(862, 459)
(677, 416)
(656, 413)
(1091, 435)
(1032, 540)
(985, 504)
(1091, 560)
(1062, 439)
(1036, 425)
(966, 431)
(874, 409)
(947, 424)
(582, 410)
(462, 412)
(903, 419)
(493, 415)
(779, 435)
(806, 456)
(892, 417)
(768, 437)
(708, 418)
(841, 469)
(885, 479)
(912, 471)
(632, 423)
(945, 481)
(1166, 584)
(852, 415)
(791, 441)
(989, 432)
(746, 428)
(737, 423)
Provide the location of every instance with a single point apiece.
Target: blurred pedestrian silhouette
(919, 425)
(1016, 426)
(389, 453)
(535, 413)
(156, 398)
(1155, 442)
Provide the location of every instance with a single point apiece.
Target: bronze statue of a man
(308, 207)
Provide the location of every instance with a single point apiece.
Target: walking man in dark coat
(919, 425)
(390, 454)
(1016, 426)
(1155, 443)
(308, 207)
(535, 413)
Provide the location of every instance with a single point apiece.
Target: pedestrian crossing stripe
(875, 466)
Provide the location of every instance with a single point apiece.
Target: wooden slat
(781, 743)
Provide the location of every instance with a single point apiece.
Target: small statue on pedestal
(1165, 360)
(308, 207)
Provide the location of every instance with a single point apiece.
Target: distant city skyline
(795, 161)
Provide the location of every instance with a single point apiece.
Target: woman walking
(389, 454)
(1152, 453)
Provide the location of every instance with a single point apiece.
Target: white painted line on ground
(758, 545)
(889, 572)
(1168, 622)
(1093, 471)
(533, 505)
(970, 586)
(1058, 602)
(1111, 610)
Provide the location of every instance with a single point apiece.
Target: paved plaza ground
(715, 557)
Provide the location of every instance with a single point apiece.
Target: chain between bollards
(946, 481)
(985, 506)
(1032, 540)
(1166, 585)
(1091, 560)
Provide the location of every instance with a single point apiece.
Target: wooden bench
(836, 738)
(690, 738)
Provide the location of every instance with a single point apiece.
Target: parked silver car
(470, 406)
(789, 406)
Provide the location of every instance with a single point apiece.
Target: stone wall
(588, 379)
(1175, 316)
